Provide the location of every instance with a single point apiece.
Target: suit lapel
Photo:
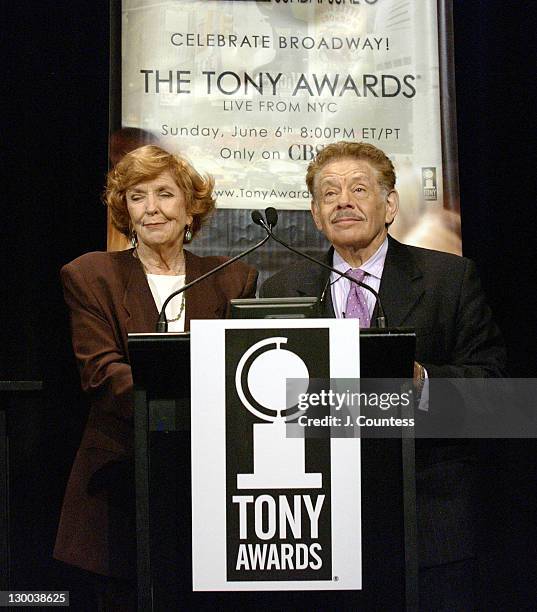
(401, 286)
(138, 300)
(203, 301)
(400, 290)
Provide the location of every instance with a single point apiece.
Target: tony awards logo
(429, 184)
(261, 383)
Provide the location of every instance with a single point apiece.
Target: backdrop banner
(249, 91)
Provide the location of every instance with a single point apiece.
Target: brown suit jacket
(109, 297)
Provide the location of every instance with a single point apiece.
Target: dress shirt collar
(374, 266)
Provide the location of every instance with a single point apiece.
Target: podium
(161, 372)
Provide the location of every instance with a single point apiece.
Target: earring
(188, 234)
(134, 239)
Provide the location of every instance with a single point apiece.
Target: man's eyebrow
(328, 179)
(360, 176)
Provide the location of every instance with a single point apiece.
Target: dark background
(55, 77)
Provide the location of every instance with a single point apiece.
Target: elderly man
(354, 201)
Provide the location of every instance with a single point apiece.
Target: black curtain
(494, 59)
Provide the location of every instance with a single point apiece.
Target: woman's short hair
(146, 164)
(357, 150)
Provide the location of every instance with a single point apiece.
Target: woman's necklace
(178, 316)
(182, 308)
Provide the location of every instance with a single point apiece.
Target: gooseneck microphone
(272, 217)
(272, 220)
(162, 323)
(257, 218)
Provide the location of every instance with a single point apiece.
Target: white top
(162, 285)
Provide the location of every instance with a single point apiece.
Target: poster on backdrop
(271, 512)
(249, 91)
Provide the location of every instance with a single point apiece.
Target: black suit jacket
(437, 294)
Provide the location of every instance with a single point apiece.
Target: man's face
(349, 205)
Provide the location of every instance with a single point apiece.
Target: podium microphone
(272, 216)
(162, 323)
(272, 220)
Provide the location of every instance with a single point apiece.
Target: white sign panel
(271, 512)
(249, 91)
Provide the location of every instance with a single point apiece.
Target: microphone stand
(162, 323)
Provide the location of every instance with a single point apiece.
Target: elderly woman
(159, 201)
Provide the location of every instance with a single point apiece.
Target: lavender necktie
(356, 307)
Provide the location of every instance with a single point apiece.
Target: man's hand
(419, 377)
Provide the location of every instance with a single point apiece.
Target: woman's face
(158, 212)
